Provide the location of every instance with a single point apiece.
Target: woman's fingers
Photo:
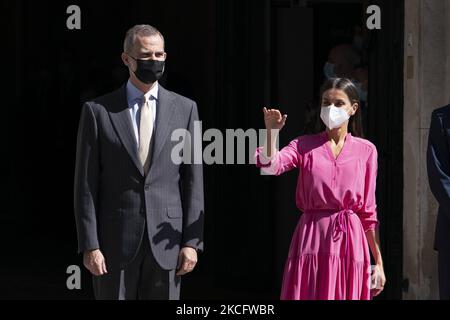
(378, 276)
(267, 111)
(377, 292)
(271, 112)
(274, 119)
(276, 114)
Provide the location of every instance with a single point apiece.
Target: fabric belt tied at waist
(340, 227)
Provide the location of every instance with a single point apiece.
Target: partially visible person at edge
(438, 166)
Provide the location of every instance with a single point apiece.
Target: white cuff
(272, 169)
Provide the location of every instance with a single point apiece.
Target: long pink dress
(329, 256)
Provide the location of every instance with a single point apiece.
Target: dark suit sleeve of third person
(191, 185)
(86, 180)
(438, 163)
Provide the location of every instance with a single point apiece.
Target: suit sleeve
(438, 163)
(191, 179)
(86, 181)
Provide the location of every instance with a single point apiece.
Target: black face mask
(149, 71)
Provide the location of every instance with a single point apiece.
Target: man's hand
(187, 260)
(94, 261)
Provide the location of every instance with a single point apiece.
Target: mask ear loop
(134, 60)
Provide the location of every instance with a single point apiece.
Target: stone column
(427, 87)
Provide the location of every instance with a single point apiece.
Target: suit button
(147, 187)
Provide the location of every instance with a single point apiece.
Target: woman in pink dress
(329, 257)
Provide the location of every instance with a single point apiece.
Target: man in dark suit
(139, 214)
(438, 164)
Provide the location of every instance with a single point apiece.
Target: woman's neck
(338, 134)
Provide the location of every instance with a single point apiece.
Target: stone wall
(427, 87)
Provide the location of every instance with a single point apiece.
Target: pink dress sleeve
(368, 213)
(282, 161)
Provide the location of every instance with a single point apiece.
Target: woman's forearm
(374, 243)
(271, 142)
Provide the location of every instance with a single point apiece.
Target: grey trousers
(444, 274)
(142, 279)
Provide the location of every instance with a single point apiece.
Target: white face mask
(334, 117)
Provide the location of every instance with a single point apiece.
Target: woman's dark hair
(355, 123)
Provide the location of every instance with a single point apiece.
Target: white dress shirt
(134, 98)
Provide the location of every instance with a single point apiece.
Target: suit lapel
(164, 114)
(121, 120)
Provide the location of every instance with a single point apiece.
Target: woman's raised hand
(274, 119)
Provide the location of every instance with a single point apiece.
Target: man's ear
(125, 59)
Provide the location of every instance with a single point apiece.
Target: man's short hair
(143, 30)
